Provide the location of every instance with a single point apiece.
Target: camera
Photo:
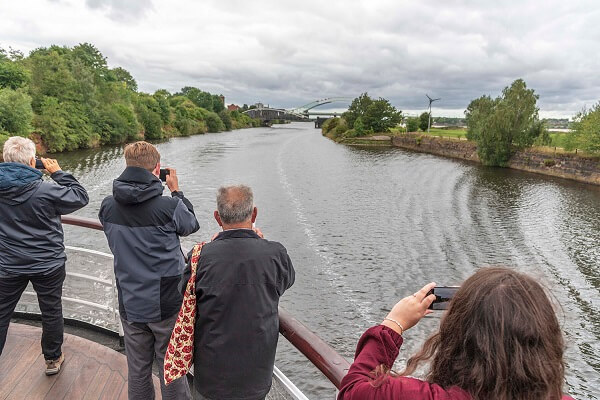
(39, 164)
(163, 174)
(443, 295)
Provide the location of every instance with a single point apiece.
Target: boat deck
(90, 371)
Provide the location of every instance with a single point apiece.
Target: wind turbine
(430, 101)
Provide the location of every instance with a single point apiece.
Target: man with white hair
(31, 240)
(240, 278)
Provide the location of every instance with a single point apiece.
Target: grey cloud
(121, 10)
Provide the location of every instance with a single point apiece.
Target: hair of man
(142, 154)
(18, 149)
(235, 203)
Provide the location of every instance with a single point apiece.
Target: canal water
(366, 227)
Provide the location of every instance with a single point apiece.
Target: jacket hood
(18, 182)
(136, 185)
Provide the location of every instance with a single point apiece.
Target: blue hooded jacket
(143, 228)
(31, 235)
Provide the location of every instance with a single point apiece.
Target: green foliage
(412, 124)
(500, 125)
(586, 131)
(371, 115)
(12, 75)
(424, 121)
(213, 122)
(74, 100)
(226, 118)
(329, 125)
(358, 108)
(117, 124)
(15, 112)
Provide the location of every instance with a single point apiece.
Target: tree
(586, 130)
(412, 124)
(358, 108)
(504, 124)
(122, 75)
(424, 121)
(12, 75)
(15, 112)
(381, 116)
(198, 97)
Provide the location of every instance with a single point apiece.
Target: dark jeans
(49, 291)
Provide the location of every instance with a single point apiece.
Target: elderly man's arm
(288, 274)
(68, 195)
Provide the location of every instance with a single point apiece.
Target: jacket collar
(237, 233)
(17, 174)
(137, 175)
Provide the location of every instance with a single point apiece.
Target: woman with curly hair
(499, 339)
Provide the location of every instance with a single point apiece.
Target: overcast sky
(290, 53)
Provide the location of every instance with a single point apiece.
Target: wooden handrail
(322, 355)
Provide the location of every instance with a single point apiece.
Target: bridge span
(303, 113)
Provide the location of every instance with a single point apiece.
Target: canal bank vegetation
(69, 98)
(365, 117)
(505, 124)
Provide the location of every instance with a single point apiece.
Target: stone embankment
(568, 166)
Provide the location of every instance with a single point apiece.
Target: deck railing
(319, 353)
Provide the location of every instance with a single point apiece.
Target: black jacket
(31, 234)
(239, 281)
(143, 229)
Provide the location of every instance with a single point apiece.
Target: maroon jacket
(380, 345)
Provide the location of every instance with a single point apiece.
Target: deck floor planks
(90, 371)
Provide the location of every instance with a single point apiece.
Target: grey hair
(18, 149)
(235, 203)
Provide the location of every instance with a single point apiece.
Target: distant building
(233, 107)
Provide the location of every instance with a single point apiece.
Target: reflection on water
(366, 227)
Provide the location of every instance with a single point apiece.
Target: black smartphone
(163, 174)
(443, 295)
(39, 164)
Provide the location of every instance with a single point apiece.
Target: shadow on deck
(90, 371)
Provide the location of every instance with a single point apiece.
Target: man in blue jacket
(31, 240)
(143, 228)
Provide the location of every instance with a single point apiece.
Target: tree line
(500, 126)
(68, 98)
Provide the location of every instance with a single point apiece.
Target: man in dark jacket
(240, 279)
(143, 229)
(31, 240)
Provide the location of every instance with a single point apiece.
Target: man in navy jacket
(31, 240)
(143, 229)
(239, 281)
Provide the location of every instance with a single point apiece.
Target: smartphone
(39, 164)
(443, 295)
(163, 174)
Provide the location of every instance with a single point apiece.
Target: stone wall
(568, 166)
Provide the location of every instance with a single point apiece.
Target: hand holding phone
(163, 174)
(443, 295)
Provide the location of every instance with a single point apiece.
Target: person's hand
(411, 309)
(172, 182)
(258, 232)
(214, 236)
(50, 165)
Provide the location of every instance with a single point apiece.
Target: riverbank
(537, 160)
(562, 165)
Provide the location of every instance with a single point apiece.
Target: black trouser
(49, 291)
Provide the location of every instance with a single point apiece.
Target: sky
(287, 54)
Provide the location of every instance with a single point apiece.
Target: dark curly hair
(500, 339)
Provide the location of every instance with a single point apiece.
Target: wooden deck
(90, 371)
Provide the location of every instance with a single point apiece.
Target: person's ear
(156, 170)
(218, 218)
(32, 162)
(254, 214)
